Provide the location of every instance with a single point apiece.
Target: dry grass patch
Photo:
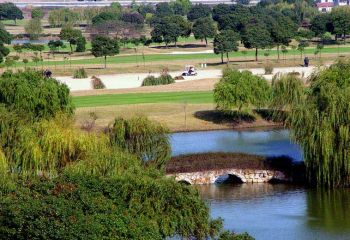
(178, 117)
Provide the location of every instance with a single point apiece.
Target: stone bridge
(244, 175)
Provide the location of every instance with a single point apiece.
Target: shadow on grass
(184, 46)
(224, 117)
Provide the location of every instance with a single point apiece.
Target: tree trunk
(256, 54)
(228, 60)
(222, 57)
(105, 62)
(71, 47)
(278, 52)
(206, 41)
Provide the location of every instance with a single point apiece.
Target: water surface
(281, 211)
(266, 211)
(267, 142)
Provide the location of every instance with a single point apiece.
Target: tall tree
(163, 9)
(256, 35)
(321, 24)
(169, 29)
(319, 120)
(9, 11)
(103, 46)
(198, 11)
(224, 42)
(204, 28)
(282, 30)
(71, 35)
(341, 20)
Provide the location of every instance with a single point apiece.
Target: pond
(23, 41)
(273, 142)
(268, 211)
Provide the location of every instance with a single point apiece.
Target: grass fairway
(138, 98)
(193, 56)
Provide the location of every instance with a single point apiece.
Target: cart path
(134, 80)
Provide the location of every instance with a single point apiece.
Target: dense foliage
(163, 79)
(103, 46)
(225, 42)
(60, 182)
(319, 122)
(31, 94)
(80, 207)
(5, 38)
(241, 91)
(9, 11)
(140, 136)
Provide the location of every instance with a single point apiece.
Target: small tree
(241, 91)
(204, 28)
(71, 35)
(9, 11)
(25, 61)
(37, 13)
(34, 28)
(103, 46)
(301, 48)
(224, 42)
(18, 49)
(256, 35)
(81, 44)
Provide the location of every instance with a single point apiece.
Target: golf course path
(134, 80)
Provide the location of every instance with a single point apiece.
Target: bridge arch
(228, 178)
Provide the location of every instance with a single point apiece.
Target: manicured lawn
(138, 98)
(203, 56)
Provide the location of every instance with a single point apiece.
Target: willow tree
(146, 139)
(241, 91)
(320, 122)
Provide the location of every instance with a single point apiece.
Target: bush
(32, 95)
(179, 78)
(97, 83)
(142, 137)
(241, 91)
(163, 79)
(268, 69)
(80, 73)
(87, 207)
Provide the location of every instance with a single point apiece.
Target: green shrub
(32, 95)
(163, 79)
(86, 207)
(268, 69)
(140, 136)
(80, 73)
(97, 83)
(241, 91)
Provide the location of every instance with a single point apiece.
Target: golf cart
(189, 71)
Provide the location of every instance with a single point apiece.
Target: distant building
(327, 5)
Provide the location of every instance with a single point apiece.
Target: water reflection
(280, 211)
(329, 209)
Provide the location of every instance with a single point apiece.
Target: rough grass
(220, 160)
(138, 98)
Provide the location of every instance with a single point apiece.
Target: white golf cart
(189, 71)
